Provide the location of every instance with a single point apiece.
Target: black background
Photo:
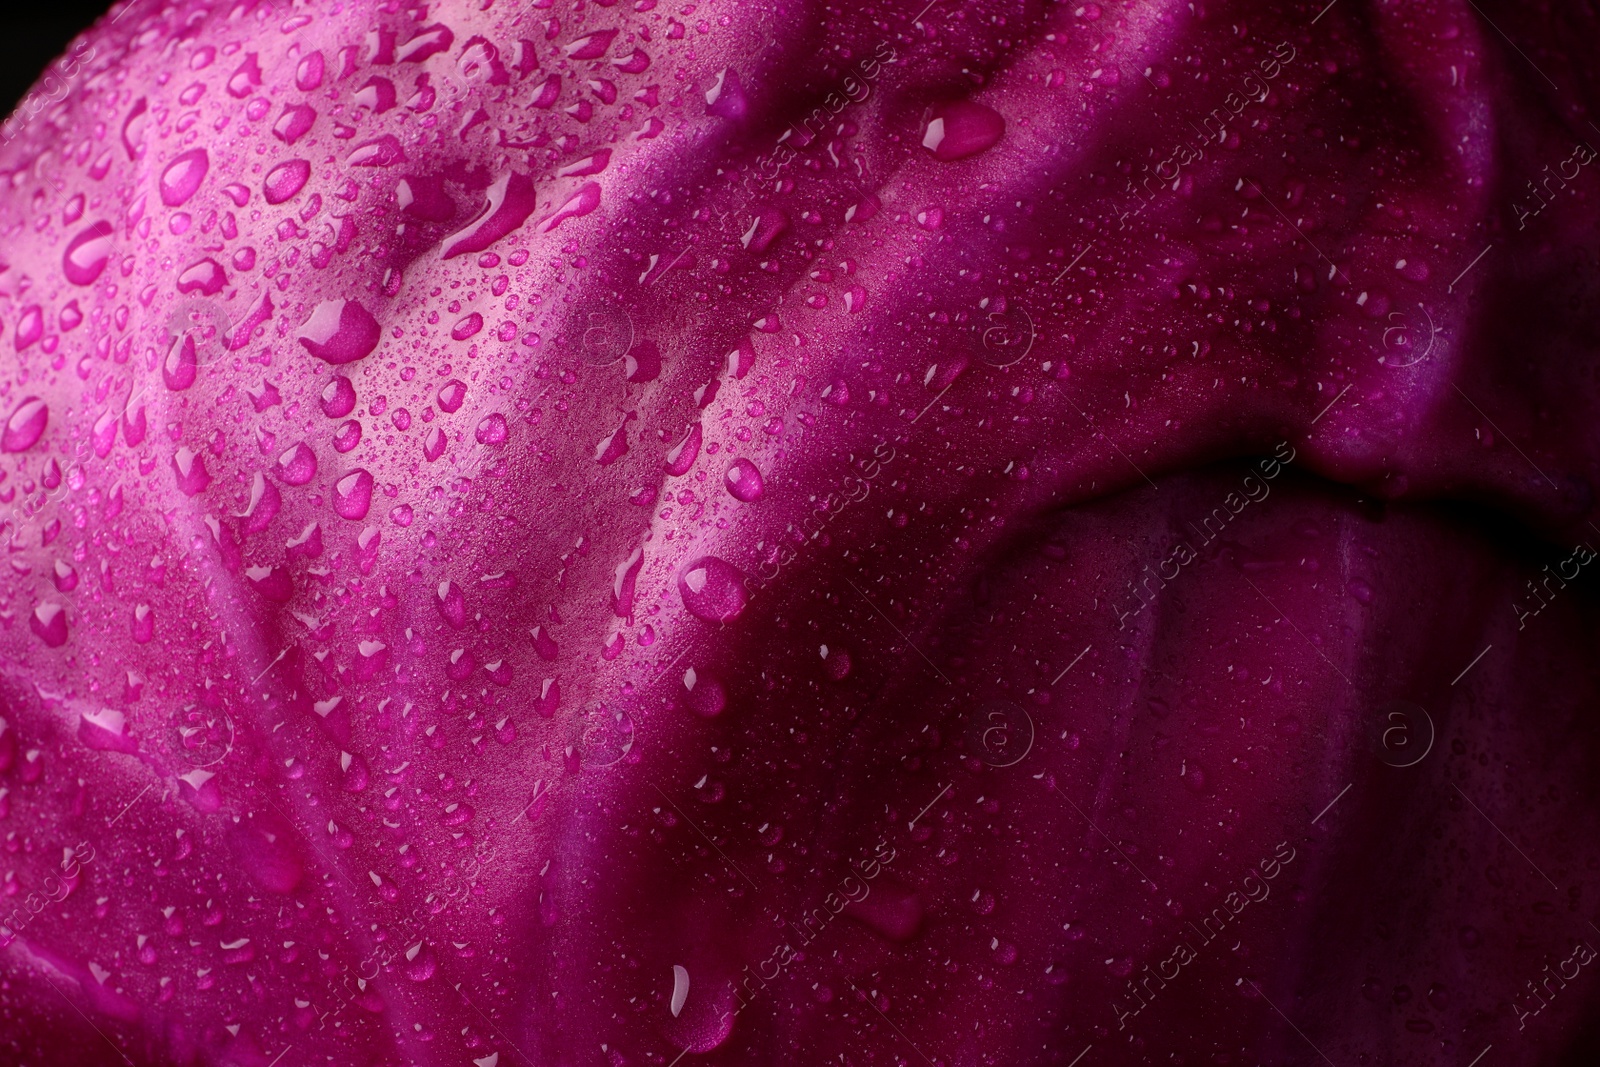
(34, 33)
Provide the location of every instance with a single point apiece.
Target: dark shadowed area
(34, 36)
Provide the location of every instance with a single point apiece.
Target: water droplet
(338, 397)
(272, 583)
(297, 465)
(962, 128)
(25, 426)
(294, 123)
(743, 481)
(682, 455)
(680, 989)
(352, 495)
(347, 436)
(308, 75)
(615, 446)
(86, 254)
(544, 644)
(49, 624)
(106, 731)
(356, 774)
(636, 63)
(511, 201)
(580, 203)
(622, 587)
(182, 177)
(643, 362)
(726, 98)
(191, 471)
(592, 46)
(769, 224)
(199, 788)
(434, 445)
(204, 276)
(178, 370)
(144, 624)
(420, 963)
(340, 331)
(452, 604)
(712, 589)
(285, 180)
(549, 699)
(704, 695)
(492, 430)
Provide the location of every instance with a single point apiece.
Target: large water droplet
(30, 327)
(285, 180)
(420, 963)
(199, 788)
(183, 176)
(25, 426)
(293, 124)
(544, 644)
(549, 699)
(704, 694)
(272, 583)
(452, 604)
(712, 589)
(263, 506)
(106, 731)
(204, 276)
(191, 471)
(511, 201)
(297, 465)
(451, 394)
(382, 151)
(580, 203)
(743, 481)
(86, 254)
(49, 624)
(726, 98)
(352, 495)
(356, 773)
(434, 444)
(308, 75)
(592, 46)
(178, 370)
(338, 397)
(680, 989)
(643, 363)
(492, 430)
(467, 327)
(627, 576)
(425, 198)
(340, 331)
(962, 128)
(615, 446)
(347, 436)
(682, 455)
